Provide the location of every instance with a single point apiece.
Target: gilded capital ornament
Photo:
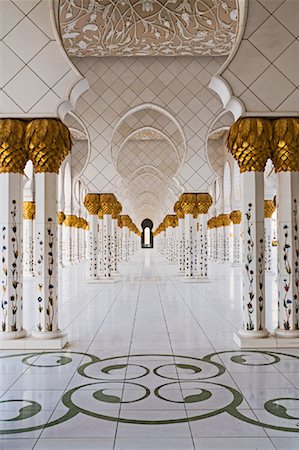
(236, 217)
(116, 210)
(189, 204)
(13, 156)
(285, 145)
(100, 213)
(204, 201)
(269, 208)
(92, 203)
(60, 217)
(225, 219)
(249, 141)
(107, 203)
(70, 221)
(29, 210)
(48, 142)
(178, 210)
(170, 220)
(126, 221)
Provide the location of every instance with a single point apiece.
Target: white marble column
(269, 208)
(236, 218)
(204, 201)
(28, 238)
(253, 256)
(67, 240)
(288, 253)
(60, 220)
(92, 204)
(11, 274)
(189, 207)
(226, 229)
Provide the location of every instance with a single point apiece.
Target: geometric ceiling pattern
(34, 74)
(148, 27)
(268, 51)
(147, 159)
(130, 95)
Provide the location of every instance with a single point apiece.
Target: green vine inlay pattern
(126, 380)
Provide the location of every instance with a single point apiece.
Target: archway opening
(147, 240)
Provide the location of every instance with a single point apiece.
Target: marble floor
(151, 364)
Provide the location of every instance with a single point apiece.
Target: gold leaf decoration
(13, 156)
(285, 145)
(92, 203)
(249, 141)
(48, 142)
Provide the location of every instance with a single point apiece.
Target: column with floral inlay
(236, 218)
(269, 208)
(60, 220)
(92, 204)
(48, 142)
(28, 238)
(249, 141)
(285, 156)
(181, 237)
(189, 208)
(114, 247)
(13, 157)
(67, 240)
(204, 201)
(107, 205)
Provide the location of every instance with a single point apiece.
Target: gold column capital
(29, 210)
(170, 220)
(178, 210)
(269, 208)
(249, 141)
(224, 219)
(189, 204)
(13, 156)
(92, 203)
(204, 201)
(107, 203)
(60, 217)
(117, 209)
(48, 142)
(236, 217)
(125, 220)
(285, 145)
(70, 220)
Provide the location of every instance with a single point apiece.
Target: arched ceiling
(147, 150)
(148, 27)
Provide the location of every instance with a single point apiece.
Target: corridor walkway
(151, 364)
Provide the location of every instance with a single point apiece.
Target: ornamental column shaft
(236, 218)
(60, 220)
(189, 208)
(92, 204)
(204, 201)
(28, 238)
(269, 208)
(286, 162)
(107, 205)
(249, 142)
(48, 142)
(12, 162)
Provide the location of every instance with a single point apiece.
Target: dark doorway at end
(147, 240)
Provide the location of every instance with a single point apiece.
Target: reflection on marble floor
(151, 364)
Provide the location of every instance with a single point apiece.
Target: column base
(11, 335)
(271, 341)
(286, 334)
(237, 264)
(109, 280)
(190, 279)
(33, 343)
(92, 280)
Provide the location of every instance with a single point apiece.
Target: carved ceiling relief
(148, 27)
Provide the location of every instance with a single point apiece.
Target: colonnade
(45, 142)
(246, 237)
(113, 237)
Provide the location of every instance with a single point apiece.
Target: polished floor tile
(151, 364)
